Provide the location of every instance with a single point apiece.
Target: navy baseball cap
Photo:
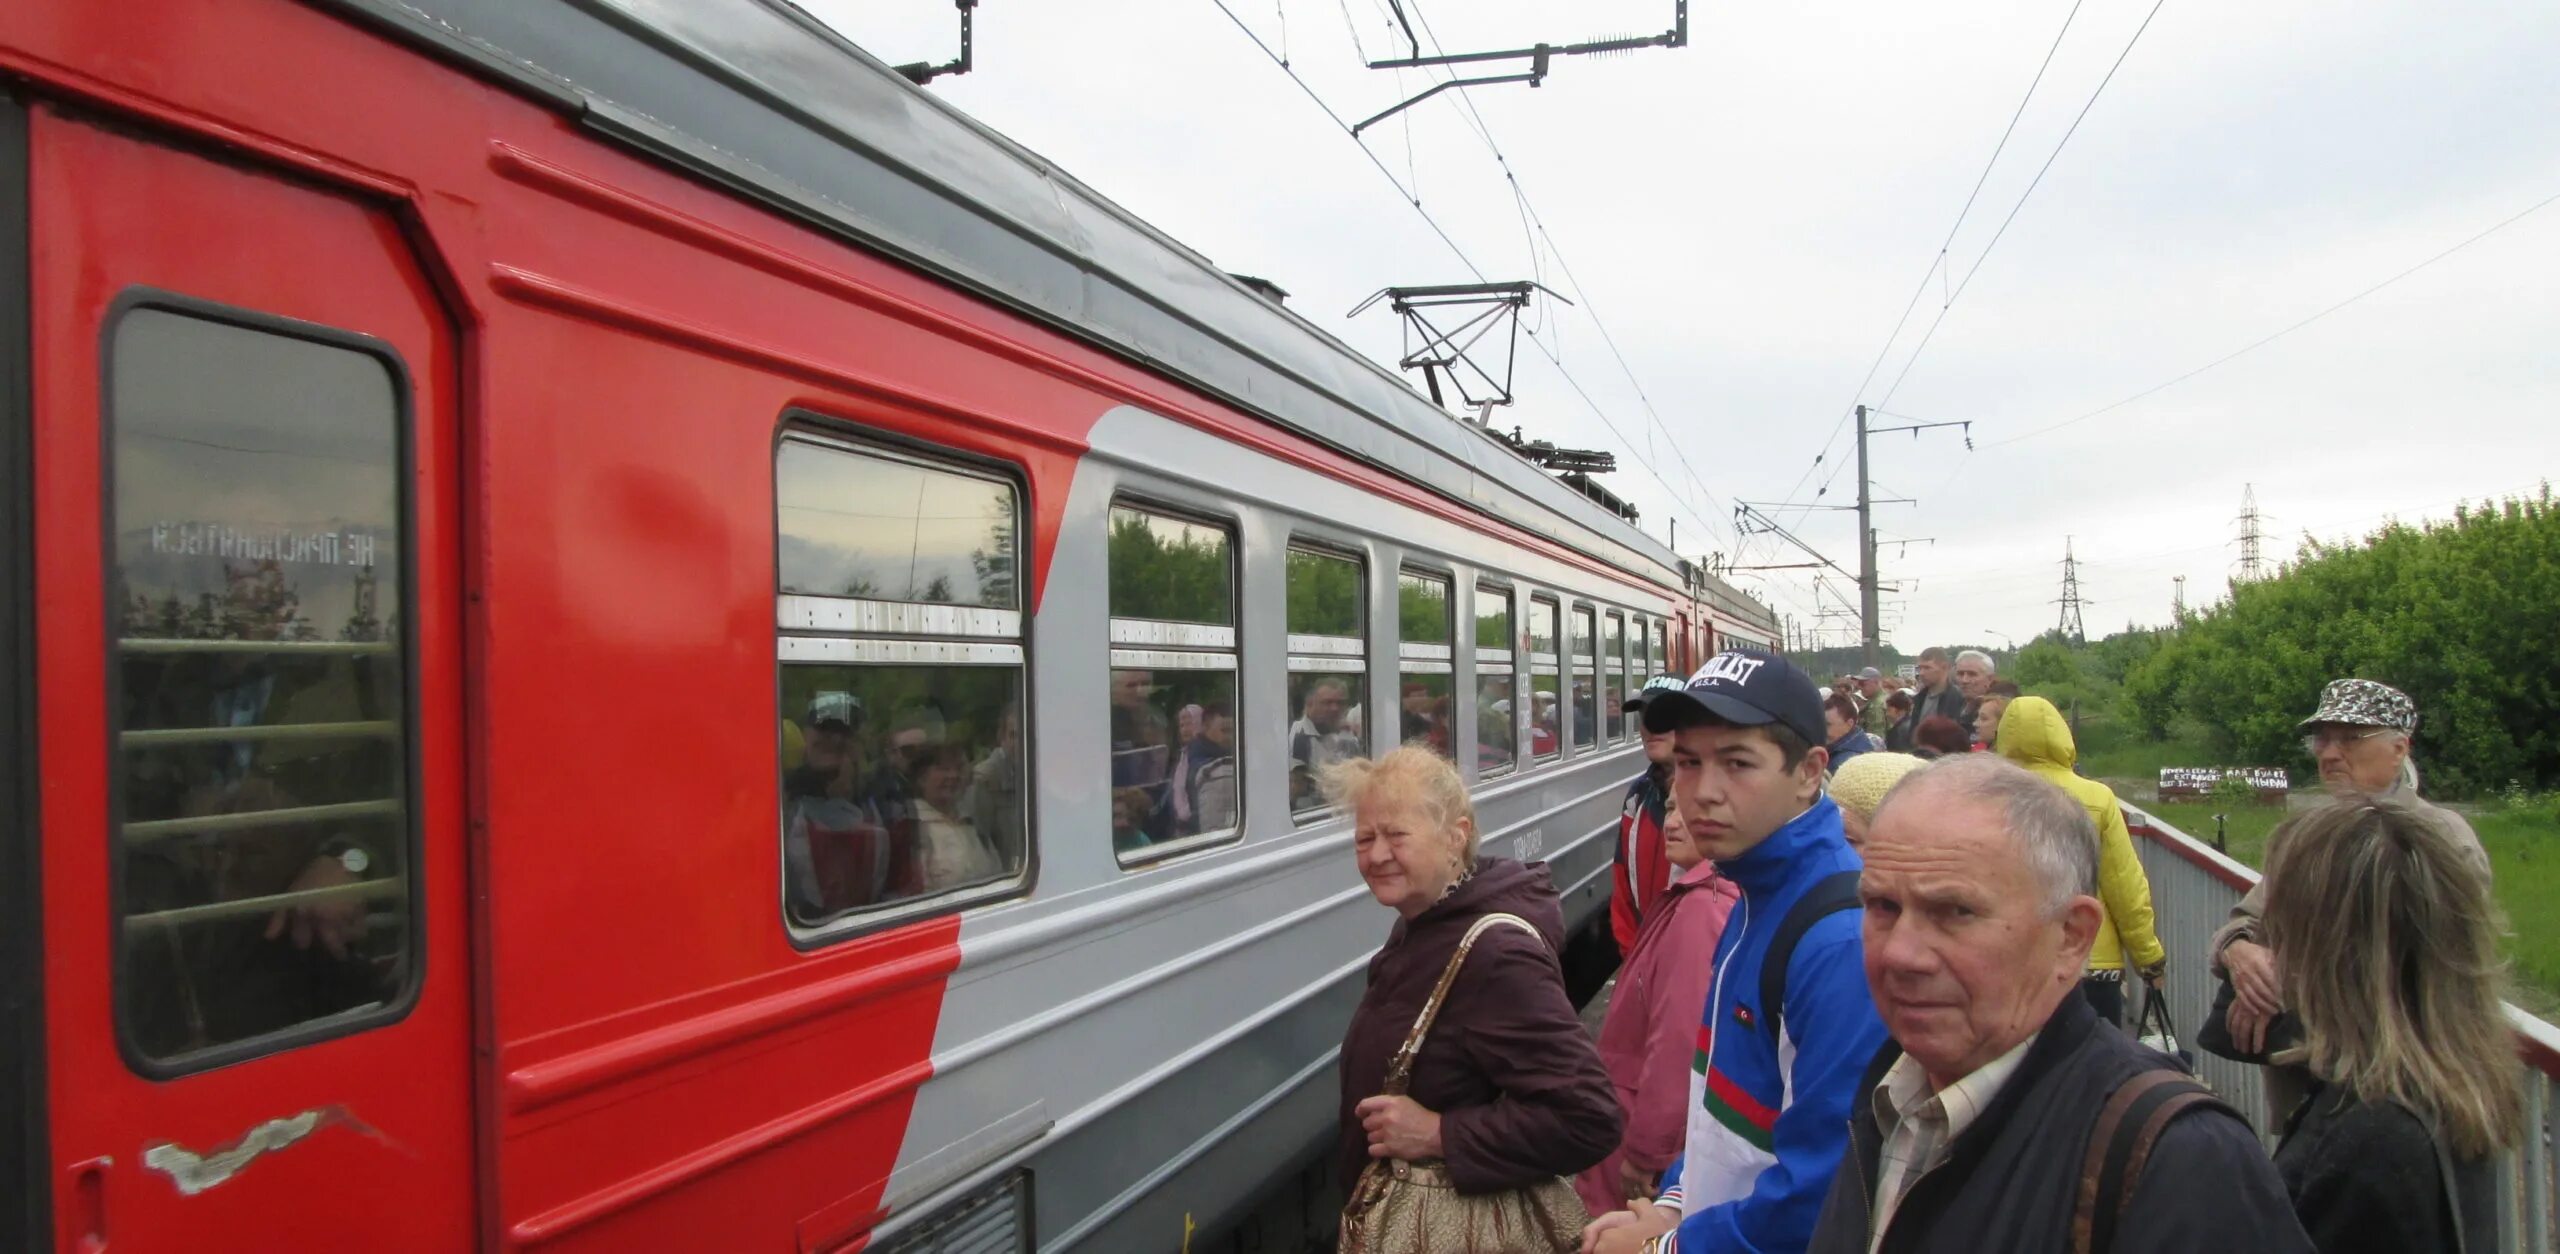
(1653, 687)
(1746, 688)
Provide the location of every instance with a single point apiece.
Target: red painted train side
(615, 1045)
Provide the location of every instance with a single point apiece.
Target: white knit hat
(1861, 783)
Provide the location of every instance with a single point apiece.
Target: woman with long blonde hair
(2386, 935)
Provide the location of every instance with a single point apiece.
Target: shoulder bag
(1402, 1207)
(2155, 1030)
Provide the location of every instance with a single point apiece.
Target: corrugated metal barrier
(2192, 891)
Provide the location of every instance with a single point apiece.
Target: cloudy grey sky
(1749, 216)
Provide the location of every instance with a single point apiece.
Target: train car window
(1497, 686)
(259, 690)
(1546, 712)
(1613, 674)
(1657, 659)
(1328, 669)
(1425, 672)
(1176, 774)
(1639, 667)
(899, 658)
(878, 529)
(1635, 675)
(1586, 684)
(1637, 671)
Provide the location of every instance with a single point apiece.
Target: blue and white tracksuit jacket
(1768, 1122)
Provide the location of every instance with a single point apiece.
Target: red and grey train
(625, 633)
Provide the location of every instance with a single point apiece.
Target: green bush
(2461, 615)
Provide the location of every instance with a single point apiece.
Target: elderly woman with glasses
(2360, 736)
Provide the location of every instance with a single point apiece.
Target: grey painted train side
(1155, 1043)
(756, 96)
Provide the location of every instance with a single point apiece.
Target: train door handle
(88, 1227)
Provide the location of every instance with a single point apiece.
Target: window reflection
(907, 781)
(1426, 694)
(1422, 604)
(1324, 594)
(1586, 692)
(1546, 709)
(882, 528)
(1496, 688)
(1613, 674)
(1175, 770)
(1328, 669)
(1170, 569)
(902, 769)
(1331, 708)
(1173, 756)
(260, 697)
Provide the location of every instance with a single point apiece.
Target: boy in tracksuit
(1769, 1109)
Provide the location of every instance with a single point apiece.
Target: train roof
(761, 97)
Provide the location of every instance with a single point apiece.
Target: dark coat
(1508, 1066)
(2363, 1177)
(1948, 701)
(2009, 1182)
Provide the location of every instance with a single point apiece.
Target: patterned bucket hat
(2365, 703)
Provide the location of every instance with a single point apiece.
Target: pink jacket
(1652, 1028)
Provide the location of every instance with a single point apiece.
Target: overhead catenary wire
(1519, 198)
(1957, 293)
(1937, 261)
(1996, 236)
(1980, 259)
(2272, 337)
(1531, 221)
(1707, 522)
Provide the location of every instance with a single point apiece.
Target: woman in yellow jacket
(2033, 735)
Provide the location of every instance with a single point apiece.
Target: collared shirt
(1919, 1125)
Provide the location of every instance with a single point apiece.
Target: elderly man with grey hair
(1974, 673)
(2360, 737)
(2000, 1093)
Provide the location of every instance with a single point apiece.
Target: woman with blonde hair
(1859, 786)
(1469, 1087)
(2386, 938)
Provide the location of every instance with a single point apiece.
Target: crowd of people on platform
(911, 810)
(1869, 1001)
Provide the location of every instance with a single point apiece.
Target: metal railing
(2192, 891)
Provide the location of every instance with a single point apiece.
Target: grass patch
(2522, 835)
(2112, 751)
(2524, 851)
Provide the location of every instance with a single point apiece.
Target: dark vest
(2009, 1181)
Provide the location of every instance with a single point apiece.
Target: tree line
(2463, 615)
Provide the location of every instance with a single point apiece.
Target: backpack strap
(2120, 1144)
(1829, 896)
(1400, 1069)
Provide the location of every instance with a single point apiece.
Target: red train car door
(257, 1006)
